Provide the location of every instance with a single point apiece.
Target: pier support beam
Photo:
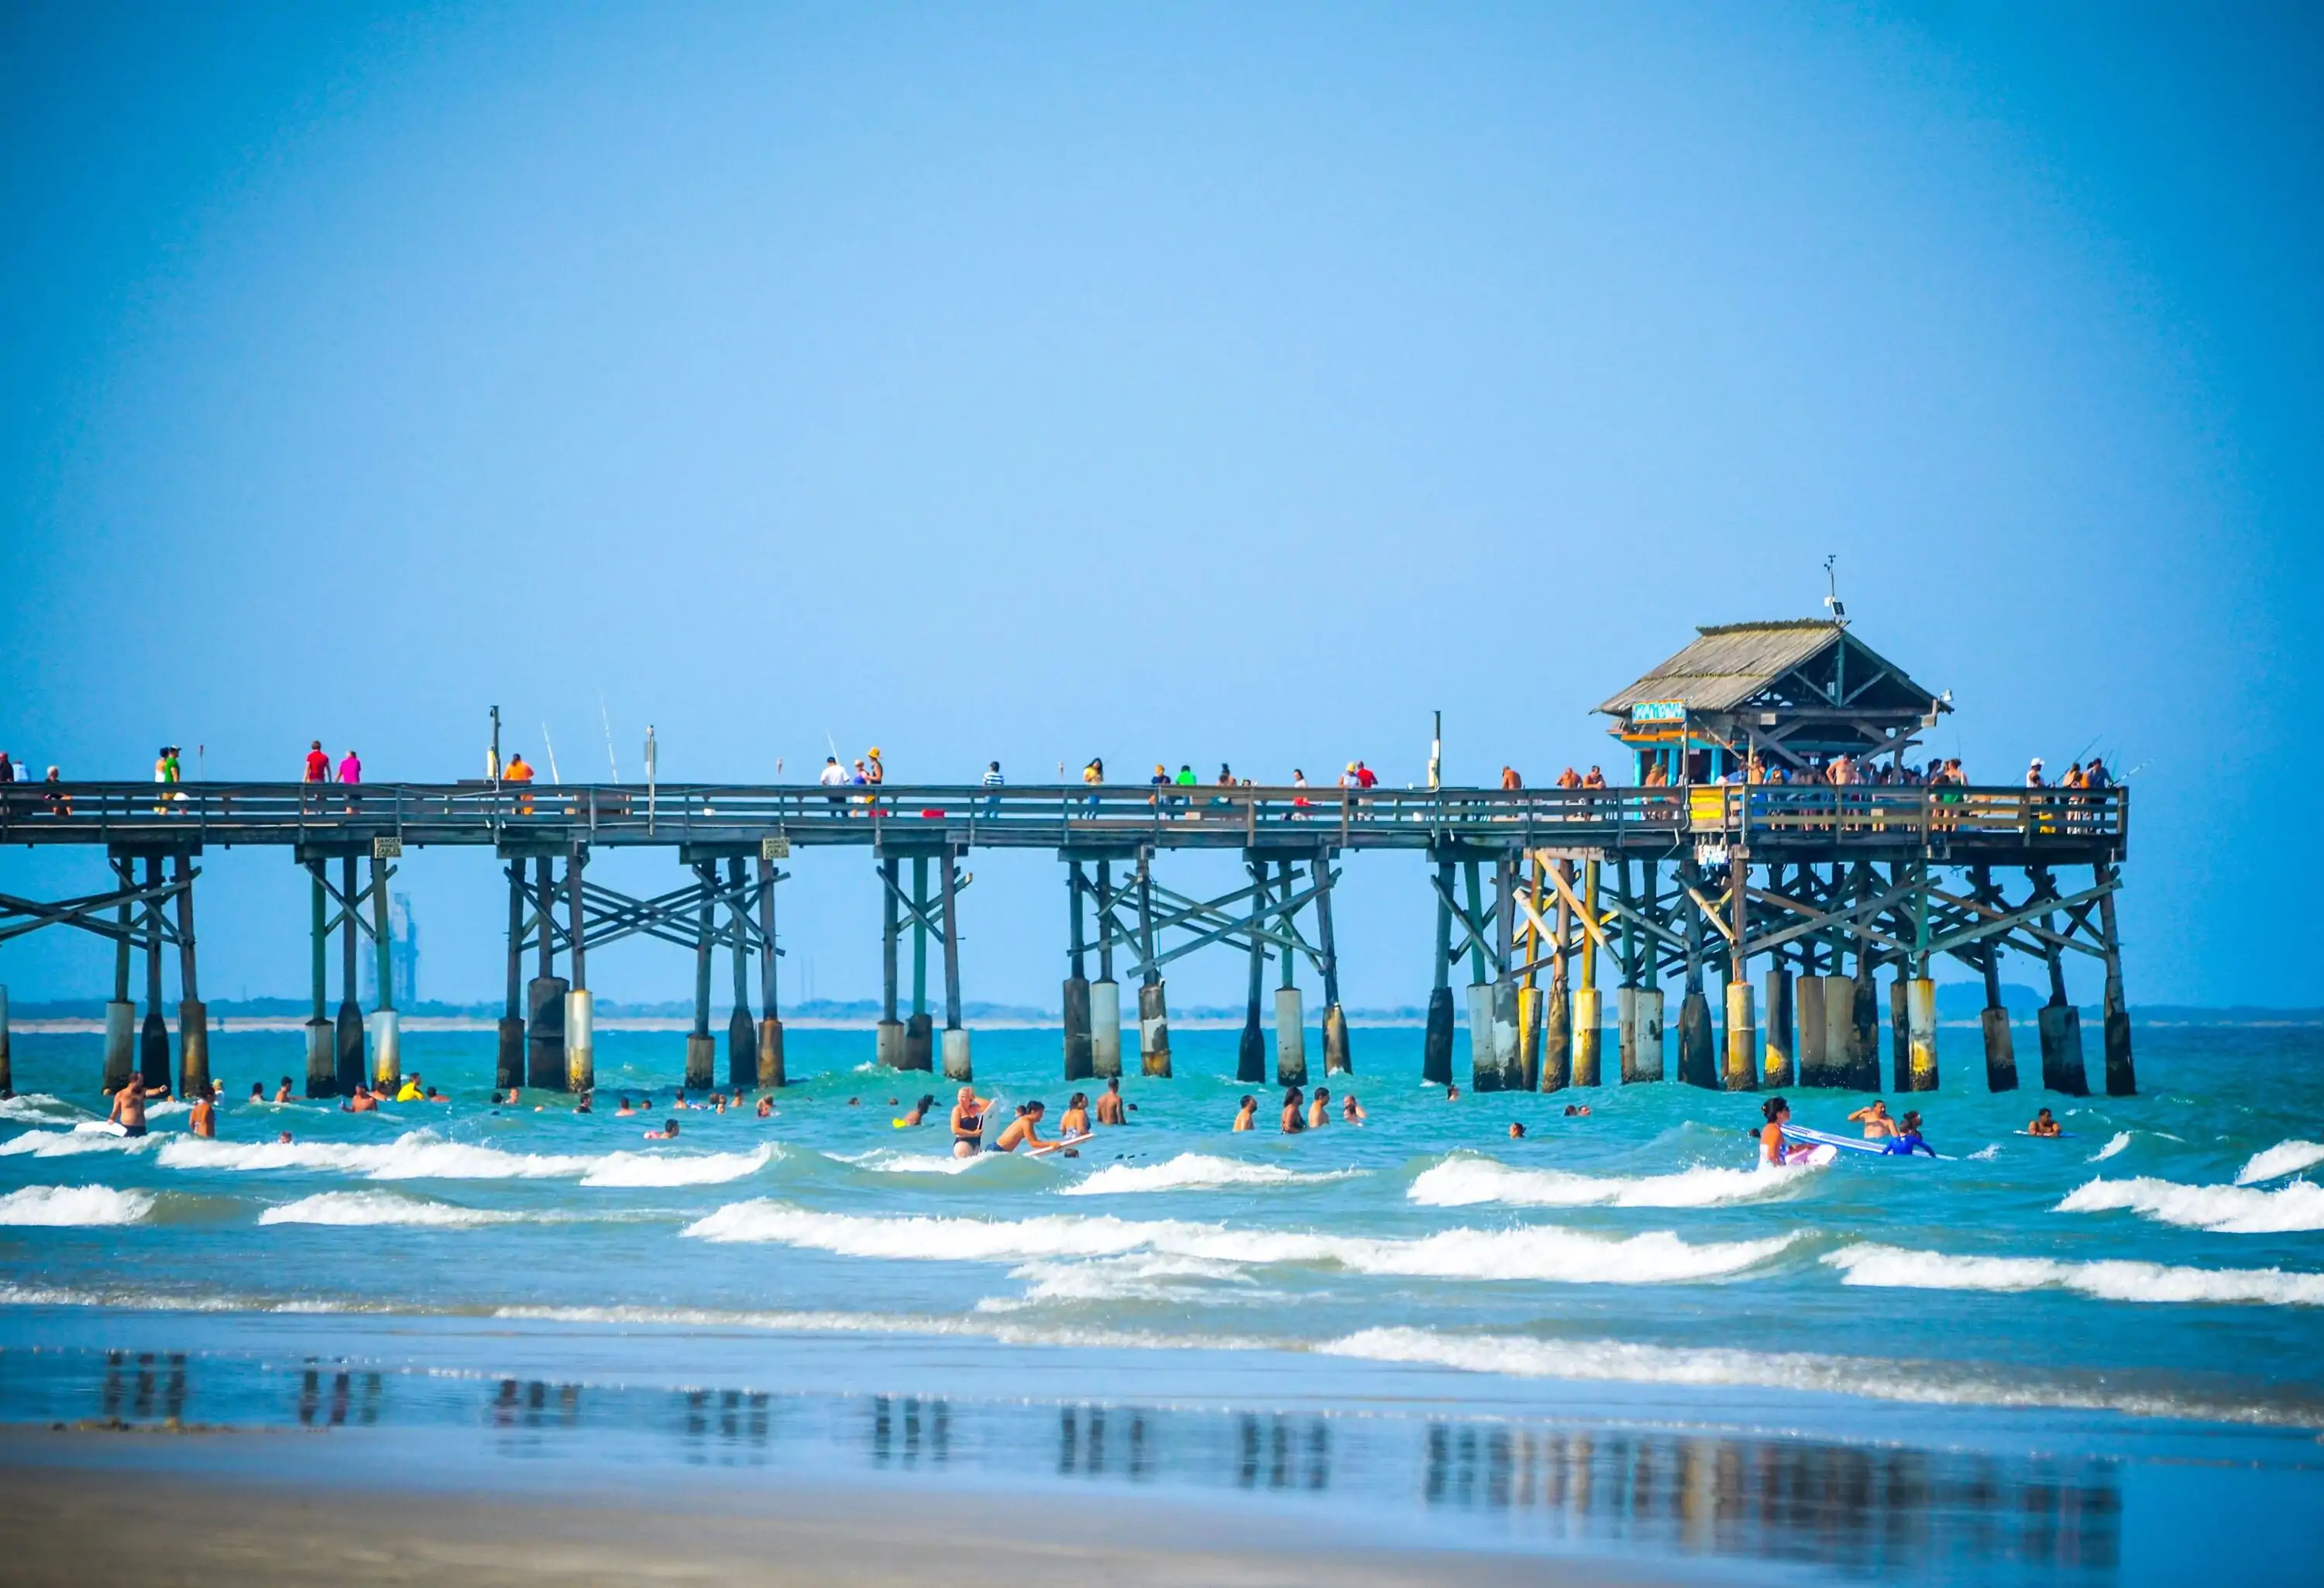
(322, 1067)
(1741, 1071)
(2121, 1073)
(919, 1030)
(1290, 1009)
(1814, 1068)
(1777, 1071)
(955, 1035)
(1436, 1037)
(545, 997)
(1900, 1032)
(701, 1047)
(349, 1043)
(1153, 1011)
(1250, 1053)
(580, 1073)
(2059, 1023)
(508, 1064)
(1337, 1058)
(153, 1037)
(1586, 1018)
(769, 1075)
(7, 1063)
(742, 1030)
(2000, 1045)
(887, 1037)
(1081, 1063)
(1697, 1063)
(193, 1018)
(1105, 994)
(1921, 1033)
(386, 1033)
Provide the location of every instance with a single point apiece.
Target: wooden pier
(1822, 885)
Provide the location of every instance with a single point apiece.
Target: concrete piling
(2059, 1025)
(1250, 1053)
(742, 1030)
(1530, 1000)
(153, 1034)
(1864, 1032)
(957, 1066)
(955, 1035)
(701, 1047)
(1105, 1028)
(544, 1068)
(1502, 1002)
(1290, 1038)
(1588, 1038)
(1697, 1066)
(1900, 1033)
(1556, 1071)
(1742, 1069)
(580, 1042)
(2121, 1073)
(1814, 1068)
(1839, 1030)
(1484, 1065)
(1081, 1060)
(349, 1044)
(1338, 1061)
(1153, 1029)
(508, 1064)
(386, 1048)
(322, 1064)
(1777, 1070)
(770, 1074)
(322, 1061)
(2000, 1047)
(1646, 1035)
(1436, 1037)
(887, 1035)
(193, 1016)
(7, 1066)
(1921, 1032)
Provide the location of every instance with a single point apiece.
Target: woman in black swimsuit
(968, 1124)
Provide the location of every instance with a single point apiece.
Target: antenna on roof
(1831, 585)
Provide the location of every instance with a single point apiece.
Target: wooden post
(193, 1018)
(920, 1031)
(887, 1037)
(742, 1030)
(2121, 1073)
(955, 1035)
(701, 1047)
(580, 1004)
(350, 1034)
(1556, 1071)
(7, 1069)
(508, 1067)
(1863, 1048)
(153, 1038)
(2060, 1024)
(2000, 1047)
(1290, 1016)
(1587, 1036)
(770, 1024)
(1337, 1058)
(1742, 1070)
(1105, 994)
(1696, 1066)
(1436, 1037)
(1250, 1054)
(322, 1067)
(544, 1053)
(1153, 1013)
(386, 1033)
(120, 1014)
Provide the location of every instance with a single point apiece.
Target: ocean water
(2087, 1332)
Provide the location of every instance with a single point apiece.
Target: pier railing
(1800, 816)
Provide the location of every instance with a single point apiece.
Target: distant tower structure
(402, 953)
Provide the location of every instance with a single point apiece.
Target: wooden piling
(1861, 1050)
(2121, 1073)
(1250, 1053)
(120, 1014)
(1586, 1016)
(1105, 992)
(1153, 1010)
(1921, 1033)
(1900, 1032)
(701, 1047)
(1338, 1058)
(769, 1075)
(7, 1065)
(887, 1035)
(1697, 1066)
(1436, 1037)
(1741, 1073)
(742, 1030)
(193, 1017)
(386, 1030)
(1814, 1068)
(508, 1066)
(154, 1036)
(544, 1054)
(1778, 1071)
(348, 1044)
(2059, 1023)
(580, 1072)
(956, 1067)
(322, 1067)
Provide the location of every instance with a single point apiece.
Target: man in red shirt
(319, 765)
(1365, 776)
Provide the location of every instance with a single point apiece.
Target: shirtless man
(1109, 1104)
(129, 1107)
(363, 1102)
(968, 1124)
(1319, 1111)
(204, 1120)
(1025, 1129)
(1350, 1109)
(1875, 1121)
(668, 1131)
(2044, 1124)
(282, 1093)
(1247, 1114)
(1076, 1119)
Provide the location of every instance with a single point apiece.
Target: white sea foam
(2121, 1140)
(73, 1143)
(888, 1160)
(74, 1204)
(416, 1155)
(2110, 1280)
(2227, 1210)
(1462, 1182)
(654, 1169)
(1986, 1154)
(1621, 1362)
(1543, 1252)
(2285, 1157)
(366, 1208)
(1132, 1278)
(1195, 1171)
(38, 1107)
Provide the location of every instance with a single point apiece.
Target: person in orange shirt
(519, 771)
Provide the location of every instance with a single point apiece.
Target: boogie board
(1064, 1141)
(102, 1128)
(1846, 1143)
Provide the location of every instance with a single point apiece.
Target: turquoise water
(2148, 1290)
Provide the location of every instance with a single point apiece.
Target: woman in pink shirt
(351, 768)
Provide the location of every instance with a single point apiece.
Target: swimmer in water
(1247, 1114)
(1875, 1120)
(1351, 1110)
(587, 1104)
(1319, 1111)
(1025, 1129)
(767, 1107)
(918, 1115)
(668, 1131)
(968, 1123)
(1109, 1104)
(1294, 1120)
(282, 1093)
(410, 1091)
(1076, 1119)
(204, 1122)
(1452, 1093)
(1517, 1129)
(363, 1102)
(1575, 1111)
(2043, 1124)
(1773, 1150)
(258, 1090)
(284, 1139)
(1907, 1139)
(625, 1111)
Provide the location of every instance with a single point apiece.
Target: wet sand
(74, 1517)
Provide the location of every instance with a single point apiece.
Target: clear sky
(1186, 383)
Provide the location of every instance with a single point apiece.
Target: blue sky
(1191, 382)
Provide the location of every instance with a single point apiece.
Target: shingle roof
(1727, 664)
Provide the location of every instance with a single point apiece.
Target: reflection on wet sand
(1857, 1507)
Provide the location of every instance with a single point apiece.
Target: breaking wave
(74, 1204)
(1195, 1171)
(2227, 1210)
(73, 1143)
(2109, 1280)
(365, 1208)
(1922, 1383)
(2285, 1157)
(653, 1168)
(2121, 1140)
(1462, 1182)
(1544, 1253)
(416, 1155)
